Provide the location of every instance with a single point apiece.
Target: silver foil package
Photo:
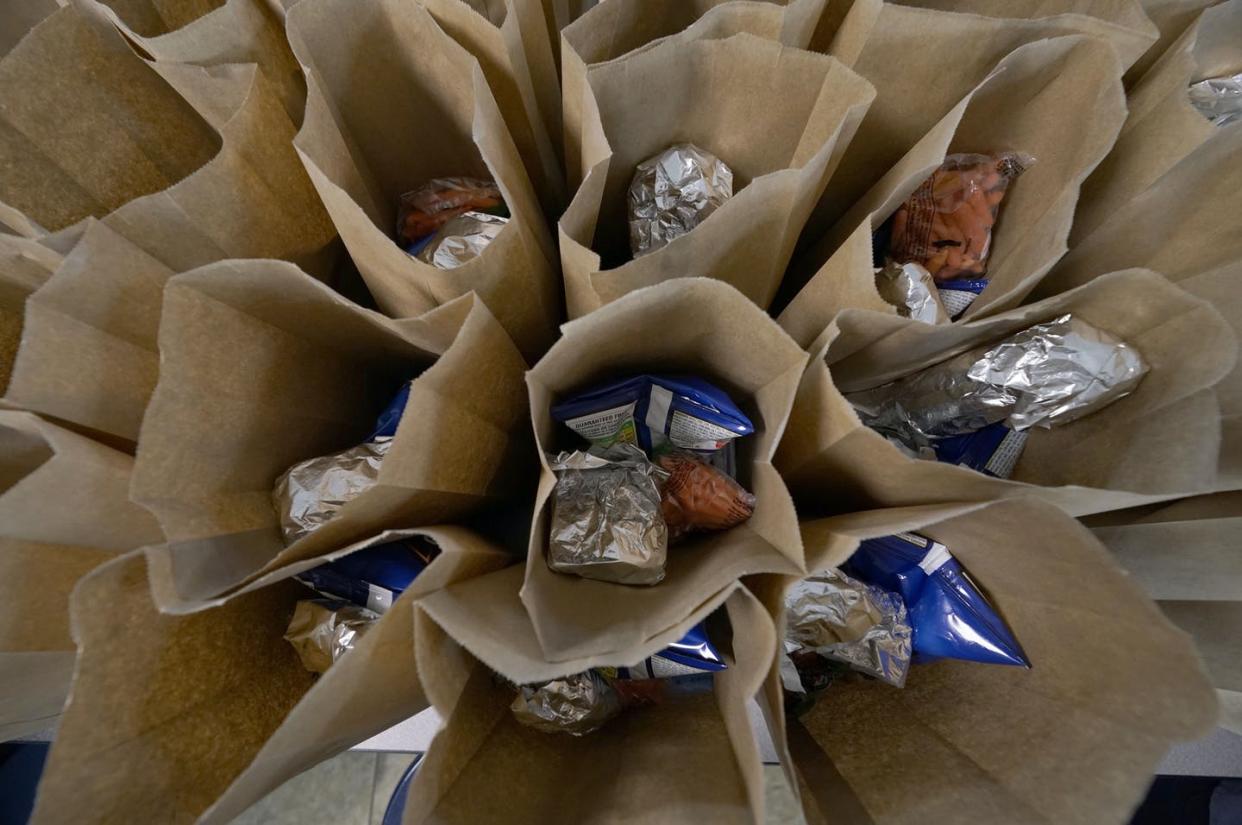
(911, 289)
(577, 704)
(606, 521)
(313, 491)
(674, 192)
(1048, 374)
(1219, 99)
(462, 239)
(840, 618)
(322, 631)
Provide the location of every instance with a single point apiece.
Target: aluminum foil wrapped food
(840, 618)
(674, 192)
(577, 704)
(461, 240)
(422, 211)
(313, 491)
(1219, 99)
(1048, 374)
(698, 496)
(606, 521)
(910, 288)
(323, 630)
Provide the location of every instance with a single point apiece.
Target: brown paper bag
(19, 18)
(696, 326)
(1074, 739)
(512, 44)
(392, 103)
(262, 367)
(64, 508)
(1159, 442)
(89, 129)
(709, 93)
(1183, 227)
(24, 267)
(693, 757)
(1171, 18)
(616, 29)
(923, 60)
(210, 33)
(89, 355)
(1023, 105)
(193, 718)
(1163, 127)
(1185, 555)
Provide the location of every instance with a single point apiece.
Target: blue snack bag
(957, 296)
(374, 577)
(656, 412)
(950, 618)
(693, 654)
(386, 423)
(993, 450)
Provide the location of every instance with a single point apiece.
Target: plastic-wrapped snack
(1048, 374)
(946, 225)
(910, 288)
(840, 618)
(693, 653)
(373, 577)
(697, 496)
(1219, 99)
(674, 192)
(577, 704)
(606, 521)
(994, 450)
(314, 491)
(957, 296)
(950, 618)
(323, 630)
(461, 240)
(422, 211)
(656, 412)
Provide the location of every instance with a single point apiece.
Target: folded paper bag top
(1161, 440)
(249, 349)
(778, 117)
(961, 724)
(693, 326)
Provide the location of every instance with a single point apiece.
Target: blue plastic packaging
(372, 578)
(693, 654)
(950, 618)
(957, 296)
(993, 450)
(386, 424)
(656, 412)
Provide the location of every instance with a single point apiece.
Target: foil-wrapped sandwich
(606, 520)
(910, 288)
(312, 492)
(461, 240)
(673, 193)
(1049, 374)
(322, 631)
(1219, 99)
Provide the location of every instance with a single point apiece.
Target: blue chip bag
(386, 424)
(950, 618)
(993, 450)
(374, 577)
(656, 412)
(693, 654)
(957, 296)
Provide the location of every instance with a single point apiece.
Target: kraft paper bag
(616, 29)
(1159, 442)
(19, 18)
(1026, 104)
(694, 326)
(394, 102)
(691, 757)
(89, 355)
(1074, 739)
(91, 130)
(262, 367)
(1171, 18)
(64, 508)
(1183, 227)
(778, 117)
(192, 718)
(922, 61)
(210, 33)
(1163, 126)
(1186, 556)
(25, 265)
(511, 42)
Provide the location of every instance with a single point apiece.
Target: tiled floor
(353, 789)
